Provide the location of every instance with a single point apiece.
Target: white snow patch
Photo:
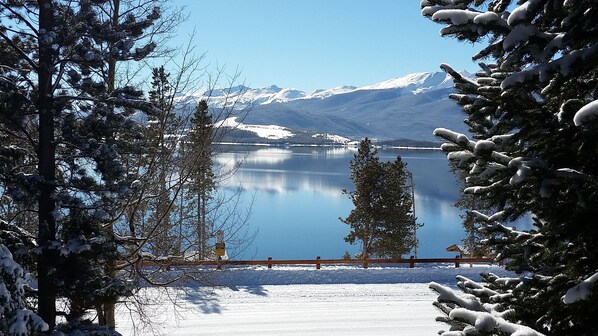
(518, 34)
(349, 309)
(455, 16)
(562, 65)
(581, 291)
(332, 137)
(521, 13)
(430, 10)
(524, 168)
(446, 294)
(483, 146)
(486, 18)
(299, 300)
(285, 95)
(273, 132)
(586, 113)
(486, 322)
(415, 79)
(322, 94)
(555, 44)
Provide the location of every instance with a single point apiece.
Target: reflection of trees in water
(432, 177)
(298, 191)
(325, 170)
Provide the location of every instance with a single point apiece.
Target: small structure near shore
(461, 249)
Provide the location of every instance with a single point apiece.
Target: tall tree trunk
(109, 305)
(200, 227)
(46, 153)
(366, 242)
(112, 60)
(204, 242)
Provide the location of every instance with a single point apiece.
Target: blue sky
(311, 44)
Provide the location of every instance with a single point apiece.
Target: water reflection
(274, 170)
(298, 198)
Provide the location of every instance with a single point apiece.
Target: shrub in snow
(15, 318)
(532, 150)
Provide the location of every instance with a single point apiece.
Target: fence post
(318, 262)
(269, 262)
(365, 263)
(411, 262)
(457, 262)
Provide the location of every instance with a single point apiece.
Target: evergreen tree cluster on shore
(382, 220)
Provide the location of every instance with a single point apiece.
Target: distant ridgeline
(407, 108)
(307, 138)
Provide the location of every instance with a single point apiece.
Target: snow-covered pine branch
(16, 318)
(468, 315)
(531, 111)
(581, 291)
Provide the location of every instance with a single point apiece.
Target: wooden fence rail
(457, 261)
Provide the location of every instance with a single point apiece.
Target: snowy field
(335, 300)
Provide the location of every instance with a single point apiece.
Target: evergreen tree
(531, 111)
(383, 218)
(65, 130)
(160, 154)
(199, 152)
(15, 316)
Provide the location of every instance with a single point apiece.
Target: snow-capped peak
(285, 95)
(240, 96)
(321, 94)
(415, 81)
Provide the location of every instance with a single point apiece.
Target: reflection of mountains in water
(326, 171)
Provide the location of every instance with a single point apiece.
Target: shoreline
(332, 145)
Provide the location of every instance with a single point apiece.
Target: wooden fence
(318, 262)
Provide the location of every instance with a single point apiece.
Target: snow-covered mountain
(408, 107)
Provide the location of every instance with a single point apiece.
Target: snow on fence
(457, 261)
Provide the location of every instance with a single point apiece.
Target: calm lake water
(297, 200)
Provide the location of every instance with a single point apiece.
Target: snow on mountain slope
(242, 96)
(272, 132)
(284, 96)
(408, 107)
(417, 81)
(321, 94)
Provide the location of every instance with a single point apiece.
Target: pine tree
(531, 112)
(160, 156)
(16, 318)
(383, 217)
(199, 151)
(65, 130)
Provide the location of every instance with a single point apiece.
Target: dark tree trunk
(200, 227)
(46, 165)
(109, 306)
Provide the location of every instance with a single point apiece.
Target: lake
(296, 199)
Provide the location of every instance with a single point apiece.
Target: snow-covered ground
(335, 300)
(273, 132)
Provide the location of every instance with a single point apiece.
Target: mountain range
(408, 107)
